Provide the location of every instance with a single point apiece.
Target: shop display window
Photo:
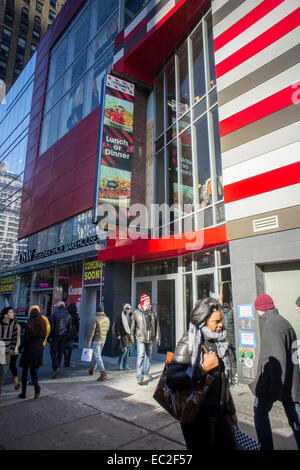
(156, 268)
(68, 286)
(43, 279)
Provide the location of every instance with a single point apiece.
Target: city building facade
(22, 25)
(214, 136)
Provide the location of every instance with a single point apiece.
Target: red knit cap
(264, 302)
(143, 298)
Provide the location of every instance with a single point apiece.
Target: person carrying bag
(201, 362)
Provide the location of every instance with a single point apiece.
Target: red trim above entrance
(130, 251)
(152, 49)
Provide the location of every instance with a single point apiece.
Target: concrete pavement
(75, 412)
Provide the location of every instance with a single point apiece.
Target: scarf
(125, 323)
(195, 347)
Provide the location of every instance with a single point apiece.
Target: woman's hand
(210, 361)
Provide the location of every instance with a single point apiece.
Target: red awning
(128, 250)
(148, 53)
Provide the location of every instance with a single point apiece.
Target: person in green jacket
(97, 336)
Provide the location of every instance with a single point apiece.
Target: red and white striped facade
(257, 51)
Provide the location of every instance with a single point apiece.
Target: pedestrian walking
(144, 330)
(122, 331)
(32, 351)
(14, 356)
(48, 329)
(60, 323)
(202, 350)
(97, 336)
(9, 336)
(278, 376)
(74, 330)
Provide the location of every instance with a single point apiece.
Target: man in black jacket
(278, 376)
(60, 323)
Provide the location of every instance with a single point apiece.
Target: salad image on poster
(118, 113)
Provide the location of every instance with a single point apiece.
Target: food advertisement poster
(115, 146)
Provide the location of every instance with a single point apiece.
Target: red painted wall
(59, 183)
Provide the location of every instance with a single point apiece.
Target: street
(75, 412)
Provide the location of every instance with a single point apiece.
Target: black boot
(37, 392)
(23, 394)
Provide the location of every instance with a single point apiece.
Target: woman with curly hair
(32, 350)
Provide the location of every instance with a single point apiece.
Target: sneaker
(17, 383)
(55, 373)
(37, 393)
(126, 367)
(120, 367)
(149, 376)
(140, 382)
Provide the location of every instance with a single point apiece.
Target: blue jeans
(97, 350)
(122, 358)
(144, 353)
(263, 425)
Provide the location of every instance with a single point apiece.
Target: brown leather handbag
(184, 404)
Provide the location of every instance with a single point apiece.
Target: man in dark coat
(60, 323)
(278, 376)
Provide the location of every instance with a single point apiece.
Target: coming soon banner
(115, 151)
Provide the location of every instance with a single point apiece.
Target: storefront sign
(33, 255)
(92, 272)
(115, 147)
(7, 284)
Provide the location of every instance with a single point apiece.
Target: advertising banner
(115, 148)
(7, 284)
(92, 272)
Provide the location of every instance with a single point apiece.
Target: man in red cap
(144, 330)
(278, 376)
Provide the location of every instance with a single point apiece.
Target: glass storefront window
(205, 286)
(159, 104)
(21, 294)
(43, 279)
(210, 39)
(69, 284)
(171, 92)
(217, 150)
(156, 268)
(66, 231)
(198, 75)
(172, 173)
(188, 290)
(186, 169)
(188, 263)
(41, 243)
(223, 255)
(184, 89)
(205, 260)
(166, 314)
(203, 162)
(160, 178)
(143, 288)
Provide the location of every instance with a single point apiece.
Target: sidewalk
(75, 412)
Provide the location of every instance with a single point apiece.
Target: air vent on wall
(266, 223)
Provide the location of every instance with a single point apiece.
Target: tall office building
(22, 25)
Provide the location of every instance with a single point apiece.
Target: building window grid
(207, 112)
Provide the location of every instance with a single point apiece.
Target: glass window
(211, 54)
(66, 232)
(198, 75)
(156, 268)
(223, 255)
(160, 178)
(205, 259)
(50, 128)
(79, 34)
(23, 27)
(24, 13)
(36, 34)
(170, 90)
(186, 170)
(43, 279)
(203, 162)
(53, 3)
(21, 294)
(184, 89)
(4, 51)
(52, 15)
(21, 42)
(72, 107)
(41, 243)
(6, 34)
(217, 151)
(69, 284)
(188, 289)
(8, 19)
(39, 7)
(37, 22)
(172, 173)
(53, 236)
(159, 104)
(187, 263)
